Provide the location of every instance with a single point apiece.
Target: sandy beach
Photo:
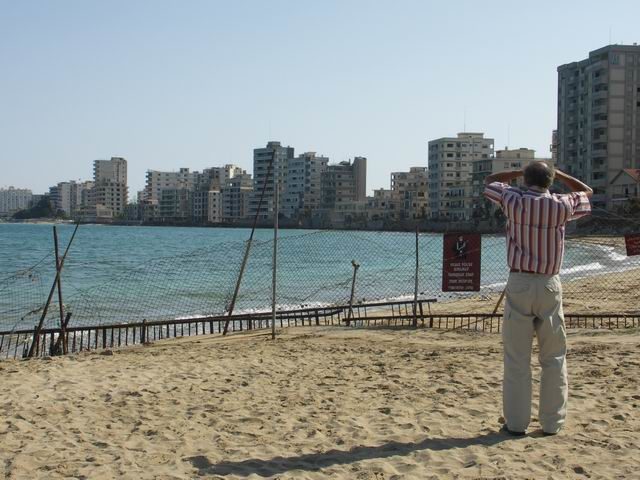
(316, 403)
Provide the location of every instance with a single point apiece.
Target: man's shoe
(513, 433)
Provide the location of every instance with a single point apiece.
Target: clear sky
(169, 84)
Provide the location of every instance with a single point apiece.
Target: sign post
(632, 242)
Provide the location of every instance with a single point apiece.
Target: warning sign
(461, 262)
(632, 242)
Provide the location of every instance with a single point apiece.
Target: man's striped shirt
(535, 225)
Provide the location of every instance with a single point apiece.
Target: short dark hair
(538, 174)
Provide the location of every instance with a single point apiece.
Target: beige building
(507, 159)
(385, 205)
(235, 197)
(214, 206)
(158, 181)
(344, 183)
(70, 196)
(185, 196)
(108, 197)
(209, 186)
(410, 189)
(451, 174)
(599, 117)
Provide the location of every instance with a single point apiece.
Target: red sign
(633, 244)
(461, 262)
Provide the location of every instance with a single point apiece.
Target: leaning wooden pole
(495, 310)
(59, 286)
(38, 328)
(245, 258)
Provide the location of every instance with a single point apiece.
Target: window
(449, 155)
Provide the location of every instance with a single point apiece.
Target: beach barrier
(17, 344)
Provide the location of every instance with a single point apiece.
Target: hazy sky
(169, 84)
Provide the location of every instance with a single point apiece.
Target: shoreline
(432, 228)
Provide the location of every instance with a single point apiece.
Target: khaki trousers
(534, 304)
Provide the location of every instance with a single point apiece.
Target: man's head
(538, 174)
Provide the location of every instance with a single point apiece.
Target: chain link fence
(314, 269)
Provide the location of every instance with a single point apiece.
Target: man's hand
(573, 184)
(504, 177)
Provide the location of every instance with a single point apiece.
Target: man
(535, 230)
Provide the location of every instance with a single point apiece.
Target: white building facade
(14, 199)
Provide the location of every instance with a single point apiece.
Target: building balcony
(600, 94)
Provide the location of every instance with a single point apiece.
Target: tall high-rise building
(302, 194)
(108, 197)
(235, 197)
(262, 157)
(599, 117)
(451, 174)
(113, 170)
(343, 183)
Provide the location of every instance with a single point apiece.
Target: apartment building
(304, 178)
(274, 153)
(14, 199)
(410, 189)
(157, 181)
(175, 206)
(450, 173)
(235, 197)
(385, 205)
(208, 187)
(108, 197)
(343, 183)
(69, 197)
(599, 117)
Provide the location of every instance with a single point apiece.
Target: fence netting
(114, 285)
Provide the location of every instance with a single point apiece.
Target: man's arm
(573, 184)
(503, 177)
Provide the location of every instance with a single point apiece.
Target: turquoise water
(125, 274)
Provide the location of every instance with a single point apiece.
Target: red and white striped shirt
(535, 225)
